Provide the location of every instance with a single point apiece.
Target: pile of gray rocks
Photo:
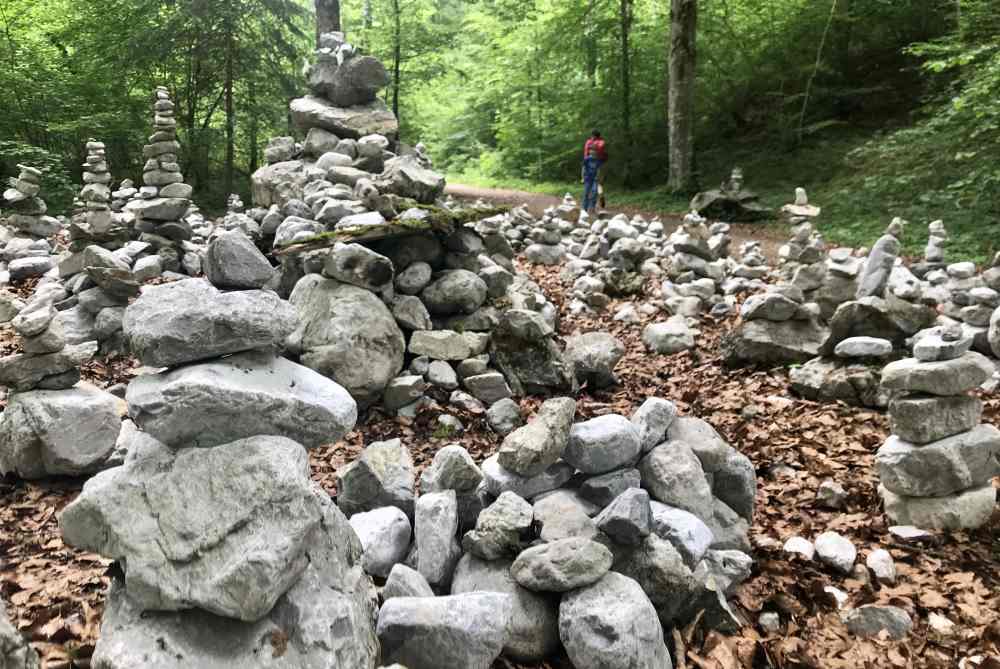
(226, 550)
(935, 469)
(597, 535)
(27, 248)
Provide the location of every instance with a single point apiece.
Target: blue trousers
(590, 192)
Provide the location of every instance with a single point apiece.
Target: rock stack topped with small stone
(937, 238)
(697, 269)
(889, 303)
(776, 327)
(27, 208)
(28, 252)
(96, 223)
(238, 541)
(164, 199)
(803, 260)
(52, 425)
(935, 469)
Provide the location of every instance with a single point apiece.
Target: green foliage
(75, 69)
(57, 187)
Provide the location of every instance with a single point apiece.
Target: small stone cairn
(27, 253)
(238, 542)
(164, 199)
(47, 411)
(95, 222)
(937, 239)
(698, 266)
(935, 469)
(27, 207)
(777, 326)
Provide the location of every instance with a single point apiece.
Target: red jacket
(599, 147)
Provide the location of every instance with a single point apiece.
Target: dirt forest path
(770, 235)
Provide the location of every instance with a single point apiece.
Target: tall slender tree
(327, 17)
(680, 93)
(625, 19)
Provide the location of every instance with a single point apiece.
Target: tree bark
(397, 55)
(327, 17)
(590, 44)
(680, 93)
(625, 16)
(230, 107)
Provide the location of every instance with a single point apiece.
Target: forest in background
(878, 107)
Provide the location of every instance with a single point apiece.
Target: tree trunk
(230, 109)
(327, 17)
(590, 44)
(625, 16)
(680, 93)
(254, 127)
(846, 36)
(397, 52)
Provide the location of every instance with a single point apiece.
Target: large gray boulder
(502, 528)
(454, 292)
(966, 509)
(347, 334)
(359, 266)
(385, 538)
(190, 320)
(467, 630)
(940, 468)
(611, 624)
(382, 476)
(372, 118)
(562, 565)
(25, 372)
(594, 356)
(207, 404)
(660, 571)
(497, 479)
(355, 81)
(922, 419)
(435, 526)
(232, 261)
(222, 529)
(521, 346)
(58, 432)
(943, 377)
(534, 625)
(673, 475)
(602, 444)
(406, 177)
(324, 621)
(731, 474)
(652, 419)
(530, 450)
(761, 342)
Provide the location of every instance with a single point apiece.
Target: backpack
(599, 147)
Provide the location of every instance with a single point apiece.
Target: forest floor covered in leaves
(56, 593)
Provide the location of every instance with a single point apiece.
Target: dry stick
(680, 650)
(819, 60)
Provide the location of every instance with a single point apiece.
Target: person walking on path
(595, 155)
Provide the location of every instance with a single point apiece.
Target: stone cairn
(47, 411)
(226, 549)
(573, 533)
(27, 254)
(776, 327)
(935, 468)
(164, 199)
(94, 221)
